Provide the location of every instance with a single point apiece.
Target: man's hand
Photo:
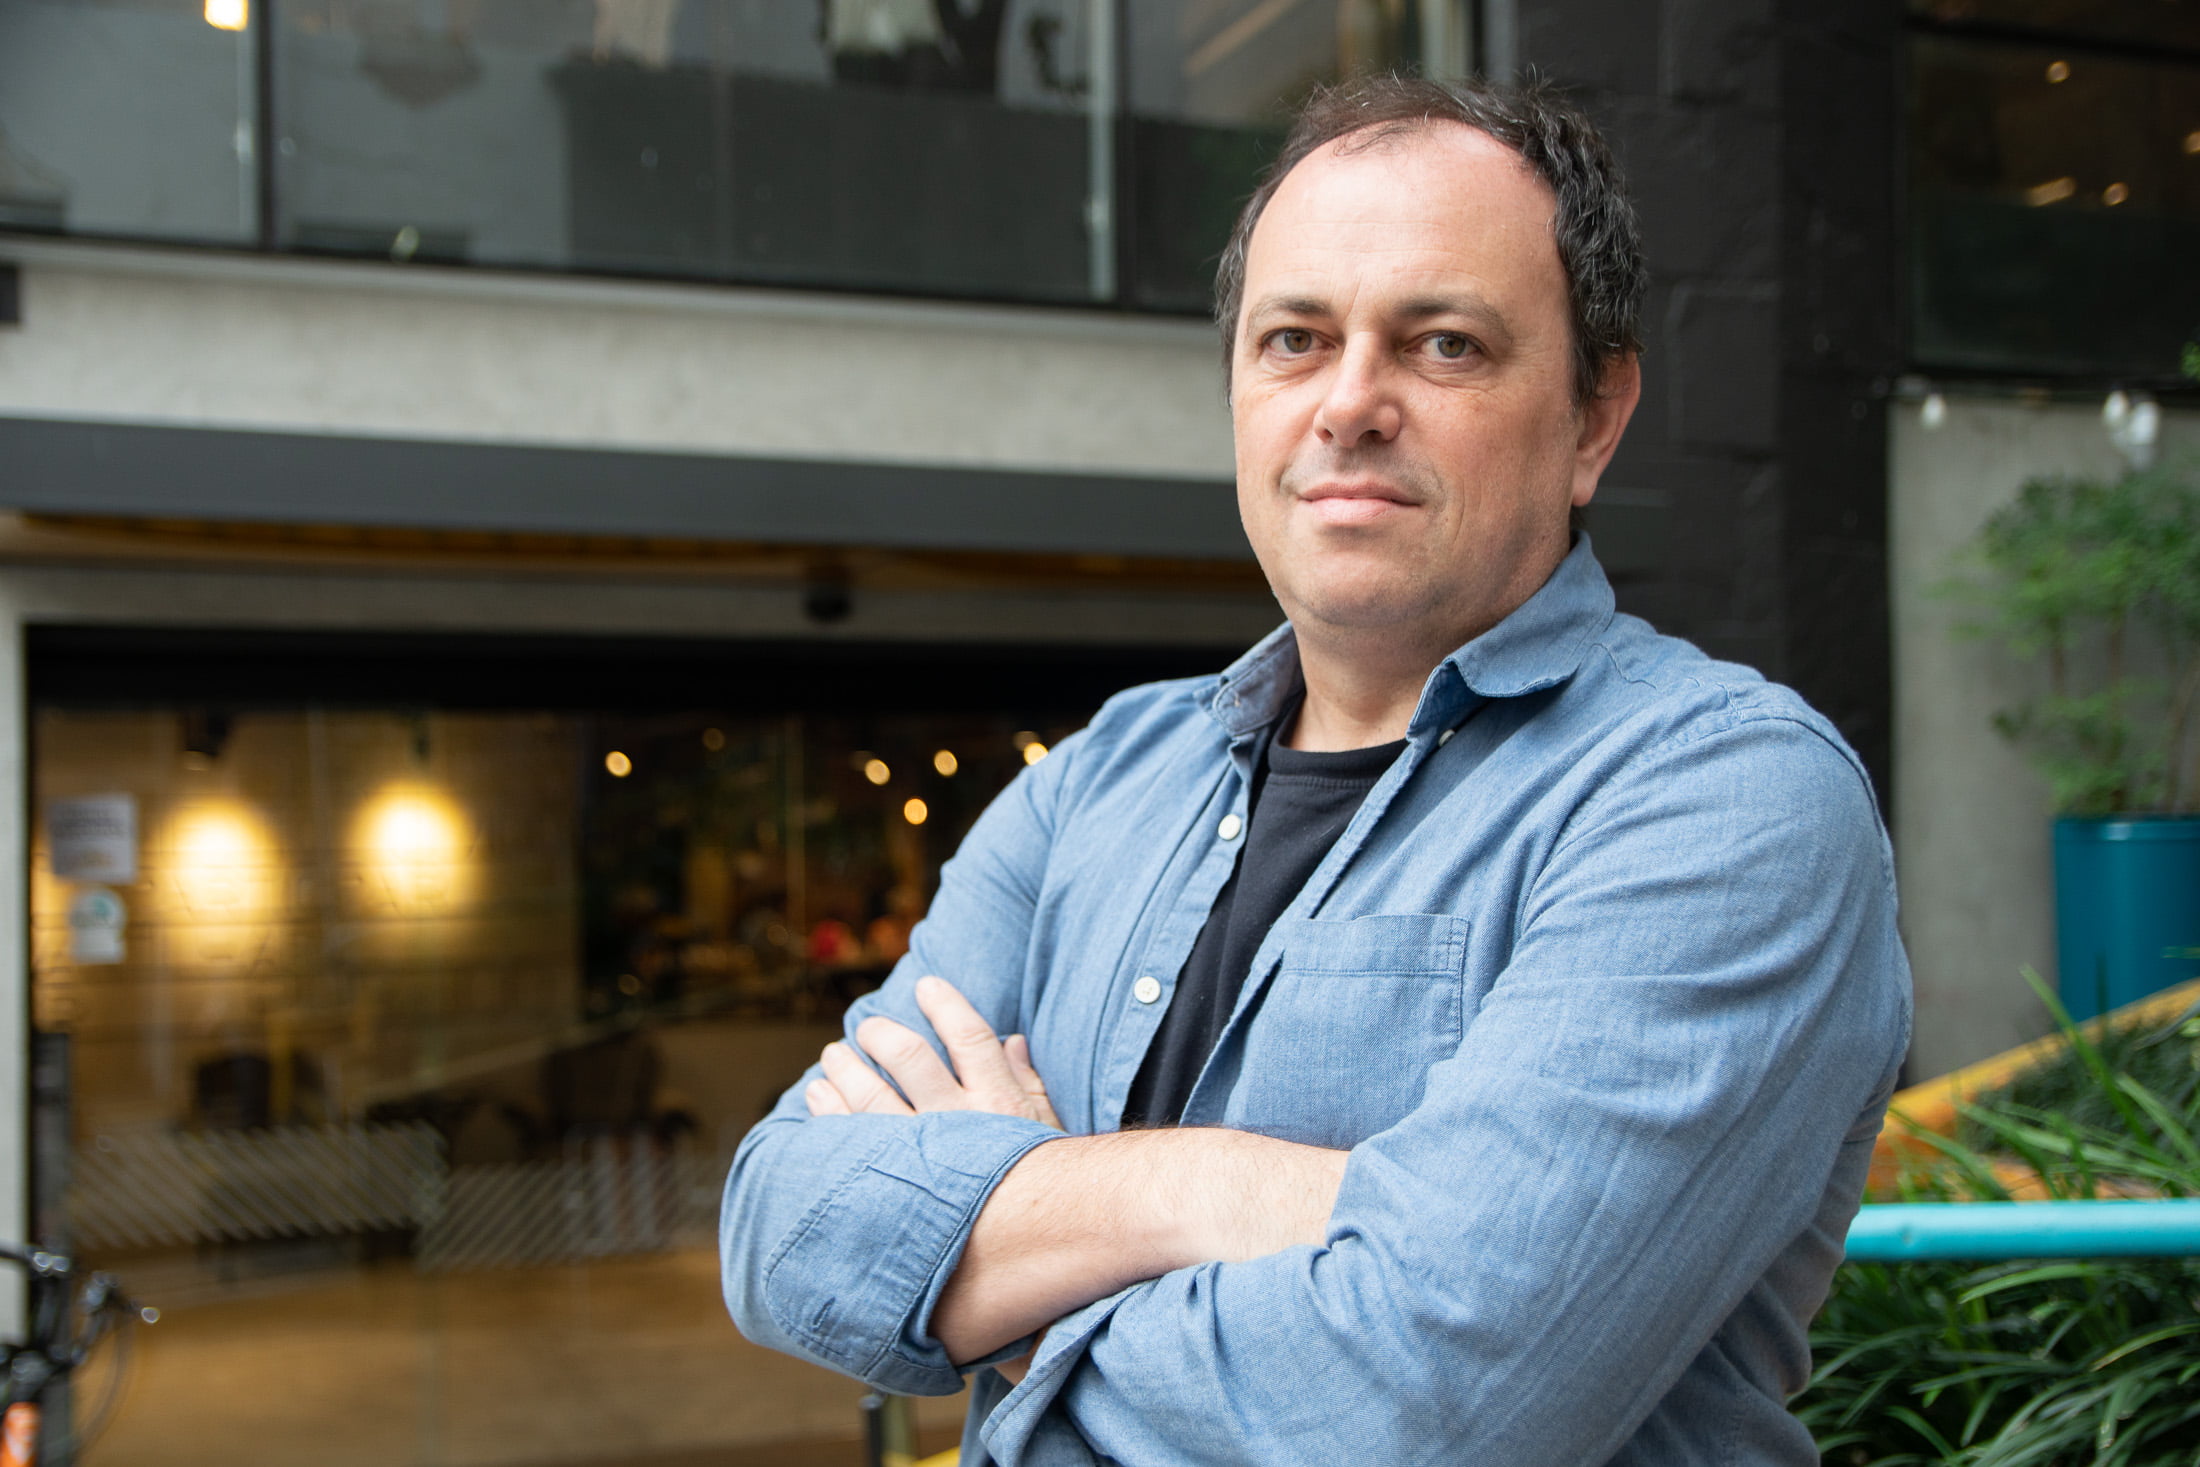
(989, 1074)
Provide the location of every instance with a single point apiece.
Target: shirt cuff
(855, 1281)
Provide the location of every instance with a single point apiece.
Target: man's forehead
(1424, 192)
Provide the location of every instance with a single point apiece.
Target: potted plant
(2098, 582)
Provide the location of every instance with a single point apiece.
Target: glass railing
(1070, 151)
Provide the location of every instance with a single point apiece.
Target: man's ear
(1604, 418)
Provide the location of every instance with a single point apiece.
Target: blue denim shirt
(1601, 988)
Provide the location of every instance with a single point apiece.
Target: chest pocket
(1358, 1010)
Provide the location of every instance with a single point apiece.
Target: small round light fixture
(2115, 194)
(946, 762)
(875, 770)
(619, 765)
(1034, 752)
(2058, 72)
(916, 812)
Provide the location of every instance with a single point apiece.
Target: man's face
(1408, 444)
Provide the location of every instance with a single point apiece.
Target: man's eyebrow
(1485, 316)
(1287, 305)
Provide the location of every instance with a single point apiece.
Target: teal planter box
(2127, 908)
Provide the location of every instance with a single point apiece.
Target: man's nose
(1361, 406)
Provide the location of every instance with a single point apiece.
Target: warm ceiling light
(915, 812)
(2054, 191)
(619, 765)
(2114, 194)
(228, 15)
(946, 762)
(1034, 752)
(875, 770)
(2058, 71)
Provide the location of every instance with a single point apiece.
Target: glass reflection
(132, 117)
(410, 1049)
(2055, 208)
(891, 144)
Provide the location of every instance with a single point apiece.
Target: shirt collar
(1538, 646)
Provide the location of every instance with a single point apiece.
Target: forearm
(1077, 1219)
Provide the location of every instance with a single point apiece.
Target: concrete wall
(144, 335)
(1970, 816)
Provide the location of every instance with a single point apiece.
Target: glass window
(410, 1042)
(1212, 84)
(877, 144)
(2152, 22)
(128, 117)
(2055, 207)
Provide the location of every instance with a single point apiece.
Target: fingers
(915, 1066)
(1018, 1051)
(858, 1085)
(824, 1099)
(972, 1046)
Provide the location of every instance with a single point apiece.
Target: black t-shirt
(1299, 804)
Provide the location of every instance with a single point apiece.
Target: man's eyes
(1444, 346)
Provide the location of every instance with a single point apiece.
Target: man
(1502, 998)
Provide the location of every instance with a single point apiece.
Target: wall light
(228, 15)
(218, 884)
(413, 841)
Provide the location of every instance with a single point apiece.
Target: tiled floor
(630, 1363)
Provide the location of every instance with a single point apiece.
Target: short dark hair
(1598, 241)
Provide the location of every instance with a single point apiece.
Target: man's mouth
(1355, 504)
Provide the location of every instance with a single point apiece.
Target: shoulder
(1656, 698)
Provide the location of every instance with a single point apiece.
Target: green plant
(2028, 1364)
(2100, 581)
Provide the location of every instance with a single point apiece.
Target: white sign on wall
(93, 838)
(96, 921)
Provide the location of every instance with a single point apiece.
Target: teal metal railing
(1905, 1232)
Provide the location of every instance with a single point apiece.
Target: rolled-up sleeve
(837, 1233)
(1704, 997)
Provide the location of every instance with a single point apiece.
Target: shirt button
(1231, 825)
(1146, 989)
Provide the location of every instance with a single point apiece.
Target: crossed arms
(1073, 1220)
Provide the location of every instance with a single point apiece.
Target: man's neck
(1357, 697)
